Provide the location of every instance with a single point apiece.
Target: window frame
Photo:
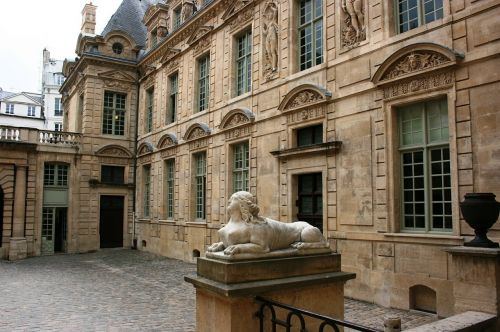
(244, 170)
(243, 61)
(117, 114)
(169, 188)
(59, 177)
(426, 148)
(173, 97)
(202, 81)
(199, 185)
(314, 38)
(177, 17)
(146, 191)
(58, 109)
(58, 126)
(148, 117)
(421, 15)
(9, 108)
(116, 179)
(31, 110)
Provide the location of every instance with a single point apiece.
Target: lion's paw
(218, 246)
(231, 250)
(297, 245)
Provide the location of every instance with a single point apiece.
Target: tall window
(310, 135)
(200, 161)
(55, 175)
(425, 166)
(31, 110)
(149, 109)
(177, 18)
(113, 120)
(146, 198)
(244, 63)
(154, 38)
(9, 108)
(310, 33)
(59, 79)
(240, 167)
(169, 179)
(58, 111)
(413, 13)
(172, 99)
(203, 83)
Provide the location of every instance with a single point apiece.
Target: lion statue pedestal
(286, 262)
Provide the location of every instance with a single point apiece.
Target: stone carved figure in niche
(354, 28)
(249, 233)
(188, 9)
(270, 31)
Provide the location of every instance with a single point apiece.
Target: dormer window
(117, 48)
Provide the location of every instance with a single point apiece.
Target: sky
(29, 26)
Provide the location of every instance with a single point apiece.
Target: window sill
(166, 221)
(431, 238)
(197, 223)
(309, 149)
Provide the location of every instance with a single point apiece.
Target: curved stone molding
(305, 95)
(234, 7)
(166, 141)
(114, 151)
(196, 130)
(145, 148)
(416, 59)
(237, 117)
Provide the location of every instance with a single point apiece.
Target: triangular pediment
(169, 54)
(199, 33)
(116, 75)
(235, 7)
(22, 98)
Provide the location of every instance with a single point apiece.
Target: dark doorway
(111, 221)
(60, 229)
(310, 199)
(1, 217)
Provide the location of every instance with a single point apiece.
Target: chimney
(46, 56)
(88, 19)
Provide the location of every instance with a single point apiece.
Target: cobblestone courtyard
(119, 290)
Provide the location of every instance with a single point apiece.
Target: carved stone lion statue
(249, 233)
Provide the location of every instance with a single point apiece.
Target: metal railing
(300, 315)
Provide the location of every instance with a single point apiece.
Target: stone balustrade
(36, 136)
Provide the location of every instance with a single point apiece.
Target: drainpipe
(25, 199)
(134, 217)
(13, 201)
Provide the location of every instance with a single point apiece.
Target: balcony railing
(36, 136)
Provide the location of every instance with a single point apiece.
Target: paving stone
(121, 290)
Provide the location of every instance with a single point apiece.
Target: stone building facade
(369, 119)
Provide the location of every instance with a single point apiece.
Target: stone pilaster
(18, 246)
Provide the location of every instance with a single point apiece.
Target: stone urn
(480, 211)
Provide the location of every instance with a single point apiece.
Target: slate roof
(128, 17)
(5, 94)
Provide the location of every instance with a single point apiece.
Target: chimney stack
(46, 56)
(88, 19)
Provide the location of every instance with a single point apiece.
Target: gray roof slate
(128, 17)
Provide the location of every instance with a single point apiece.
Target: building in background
(23, 109)
(52, 79)
(370, 120)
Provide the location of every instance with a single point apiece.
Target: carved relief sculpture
(353, 29)
(304, 98)
(188, 9)
(251, 235)
(270, 31)
(415, 61)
